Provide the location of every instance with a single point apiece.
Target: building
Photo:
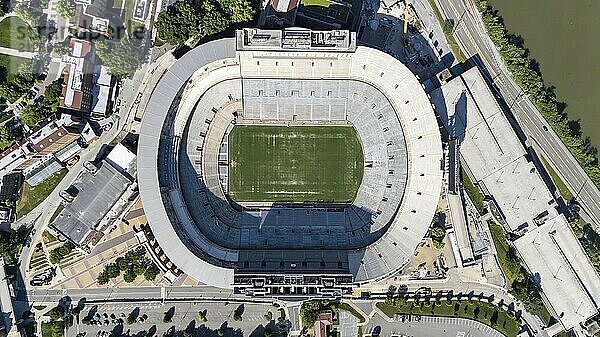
(92, 17)
(87, 87)
(293, 76)
(52, 145)
(11, 186)
(8, 322)
(95, 199)
(496, 160)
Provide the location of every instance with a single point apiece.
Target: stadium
(289, 163)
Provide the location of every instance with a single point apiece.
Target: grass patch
(128, 14)
(16, 34)
(338, 11)
(34, 195)
(54, 215)
(522, 286)
(53, 329)
(447, 28)
(294, 164)
(472, 191)
(509, 263)
(118, 4)
(483, 312)
(350, 309)
(9, 66)
(560, 185)
(47, 235)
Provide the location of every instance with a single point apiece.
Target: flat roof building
(93, 195)
(494, 156)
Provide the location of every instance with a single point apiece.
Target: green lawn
(509, 264)
(16, 34)
(9, 65)
(33, 196)
(350, 309)
(483, 312)
(336, 10)
(294, 164)
(560, 185)
(472, 191)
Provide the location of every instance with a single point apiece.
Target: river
(564, 37)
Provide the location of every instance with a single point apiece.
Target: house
(88, 88)
(52, 145)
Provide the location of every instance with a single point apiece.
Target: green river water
(564, 37)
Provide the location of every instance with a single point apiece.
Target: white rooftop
(120, 157)
(491, 148)
(496, 158)
(556, 259)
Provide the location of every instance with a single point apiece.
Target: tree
(103, 277)
(237, 317)
(56, 313)
(151, 273)
(122, 59)
(202, 315)
(437, 236)
(8, 136)
(129, 276)
(214, 22)
(238, 10)
(61, 48)
(113, 270)
(178, 23)
(29, 14)
(65, 8)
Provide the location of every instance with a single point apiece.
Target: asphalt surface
(183, 315)
(431, 326)
(472, 37)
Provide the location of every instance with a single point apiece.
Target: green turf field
(339, 11)
(294, 164)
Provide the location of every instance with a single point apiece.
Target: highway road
(474, 40)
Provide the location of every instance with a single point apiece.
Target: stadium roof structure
(298, 76)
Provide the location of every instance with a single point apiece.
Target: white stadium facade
(288, 77)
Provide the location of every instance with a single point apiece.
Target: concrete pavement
(473, 39)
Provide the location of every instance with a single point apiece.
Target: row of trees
(184, 20)
(527, 75)
(133, 264)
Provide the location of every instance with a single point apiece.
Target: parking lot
(426, 326)
(149, 318)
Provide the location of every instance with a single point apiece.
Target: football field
(294, 164)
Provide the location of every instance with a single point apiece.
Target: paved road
(473, 39)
